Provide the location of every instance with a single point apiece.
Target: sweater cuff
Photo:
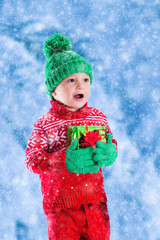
(47, 162)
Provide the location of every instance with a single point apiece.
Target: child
(74, 199)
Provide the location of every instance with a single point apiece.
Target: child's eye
(86, 79)
(71, 80)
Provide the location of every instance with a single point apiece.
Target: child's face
(73, 91)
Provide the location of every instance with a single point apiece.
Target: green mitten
(80, 160)
(105, 153)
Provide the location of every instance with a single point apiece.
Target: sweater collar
(59, 109)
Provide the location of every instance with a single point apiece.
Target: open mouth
(79, 96)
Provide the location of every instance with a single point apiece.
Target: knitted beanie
(61, 62)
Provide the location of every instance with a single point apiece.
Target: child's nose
(80, 85)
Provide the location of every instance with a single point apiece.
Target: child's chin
(76, 107)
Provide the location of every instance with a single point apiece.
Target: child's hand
(80, 160)
(105, 153)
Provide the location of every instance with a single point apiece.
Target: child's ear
(53, 93)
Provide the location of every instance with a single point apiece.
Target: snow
(121, 41)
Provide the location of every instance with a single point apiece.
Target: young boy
(74, 199)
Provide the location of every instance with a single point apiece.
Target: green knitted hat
(61, 62)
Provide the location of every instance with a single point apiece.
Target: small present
(86, 135)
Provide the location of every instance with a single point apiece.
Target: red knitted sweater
(45, 155)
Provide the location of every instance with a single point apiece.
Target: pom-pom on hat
(61, 62)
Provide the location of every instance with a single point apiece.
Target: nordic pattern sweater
(45, 155)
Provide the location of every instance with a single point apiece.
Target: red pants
(88, 222)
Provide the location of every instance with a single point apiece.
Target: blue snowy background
(121, 40)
